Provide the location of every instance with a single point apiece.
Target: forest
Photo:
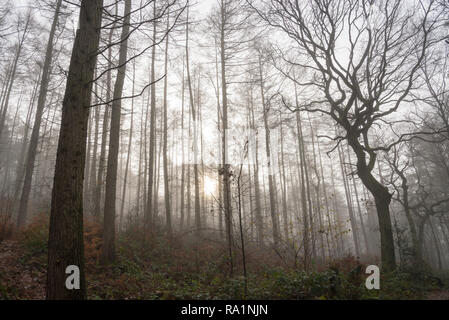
(224, 149)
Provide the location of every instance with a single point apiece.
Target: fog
(228, 139)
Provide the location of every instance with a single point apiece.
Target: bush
(408, 284)
(280, 284)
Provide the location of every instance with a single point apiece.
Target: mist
(224, 149)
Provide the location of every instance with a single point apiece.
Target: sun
(210, 185)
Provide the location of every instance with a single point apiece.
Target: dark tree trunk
(65, 243)
(108, 249)
(104, 134)
(382, 198)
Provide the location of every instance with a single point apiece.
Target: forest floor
(17, 279)
(175, 271)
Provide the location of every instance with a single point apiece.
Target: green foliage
(166, 273)
(407, 284)
(128, 267)
(168, 270)
(8, 291)
(281, 284)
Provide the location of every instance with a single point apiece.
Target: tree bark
(65, 243)
(382, 198)
(105, 128)
(108, 249)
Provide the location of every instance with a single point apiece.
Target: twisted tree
(360, 61)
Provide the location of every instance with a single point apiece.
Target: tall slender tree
(65, 242)
(31, 155)
(108, 249)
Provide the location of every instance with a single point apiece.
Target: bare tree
(31, 155)
(23, 29)
(386, 45)
(108, 249)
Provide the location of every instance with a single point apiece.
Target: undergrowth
(177, 268)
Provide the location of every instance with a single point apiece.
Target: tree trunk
(108, 249)
(382, 198)
(195, 138)
(307, 182)
(226, 166)
(22, 163)
(338, 219)
(305, 222)
(258, 204)
(93, 169)
(283, 182)
(355, 237)
(418, 260)
(104, 134)
(128, 157)
(271, 190)
(65, 243)
(329, 233)
(359, 209)
(317, 187)
(183, 169)
(165, 138)
(149, 207)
